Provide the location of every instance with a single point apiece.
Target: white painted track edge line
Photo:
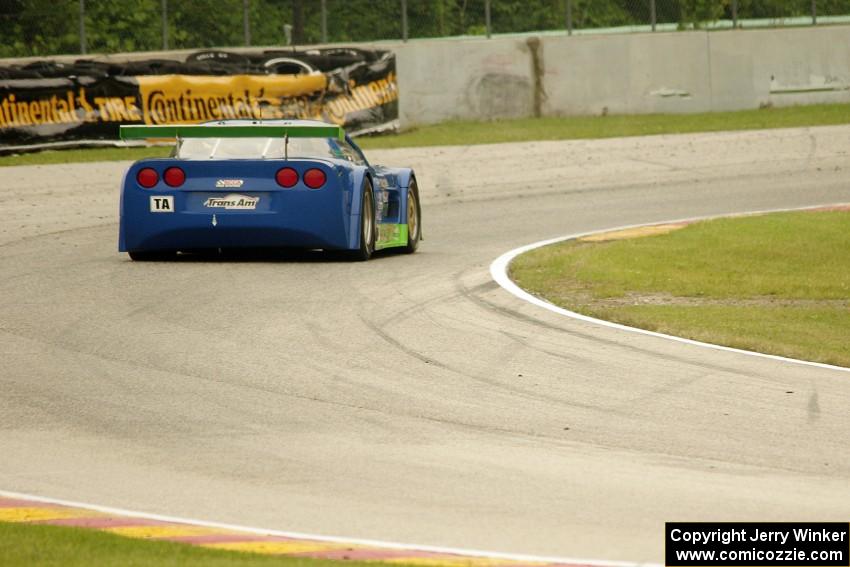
(472, 553)
(499, 273)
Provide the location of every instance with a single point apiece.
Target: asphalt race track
(410, 398)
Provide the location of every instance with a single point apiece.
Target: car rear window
(257, 148)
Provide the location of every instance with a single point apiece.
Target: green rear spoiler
(246, 131)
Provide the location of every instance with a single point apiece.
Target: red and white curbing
(30, 509)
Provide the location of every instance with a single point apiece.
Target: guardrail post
(569, 17)
(324, 21)
(246, 22)
(83, 27)
(404, 20)
(165, 25)
(652, 14)
(487, 17)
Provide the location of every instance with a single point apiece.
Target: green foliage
(830, 7)
(697, 12)
(355, 20)
(206, 23)
(122, 27)
(604, 13)
(40, 27)
(775, 9)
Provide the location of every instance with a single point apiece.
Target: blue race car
(264, 184)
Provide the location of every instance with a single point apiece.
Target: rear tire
(414, 219)
(367, 225)
(151, 255)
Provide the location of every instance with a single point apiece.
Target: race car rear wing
(136, 132)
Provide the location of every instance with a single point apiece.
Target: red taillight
(314, 178)
(174, 177)
(147, 177)
(287, 177)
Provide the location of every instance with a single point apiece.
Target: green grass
(46, 546)
(567, 128)
(612, 126)
(777, 283)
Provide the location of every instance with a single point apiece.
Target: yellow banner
(190, 99)
(181, 99)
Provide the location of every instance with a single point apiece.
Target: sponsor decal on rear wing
(246, 131)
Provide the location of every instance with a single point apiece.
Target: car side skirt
(391, 235)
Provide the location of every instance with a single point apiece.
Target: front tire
(367, 225)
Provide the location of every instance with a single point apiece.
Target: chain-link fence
(50, 27)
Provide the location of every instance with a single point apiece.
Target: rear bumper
(302, 219)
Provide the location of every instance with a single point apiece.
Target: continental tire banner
(47, 103)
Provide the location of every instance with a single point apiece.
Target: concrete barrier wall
(631, 73)
(636, 73)
(464, 79)
(783, 67)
